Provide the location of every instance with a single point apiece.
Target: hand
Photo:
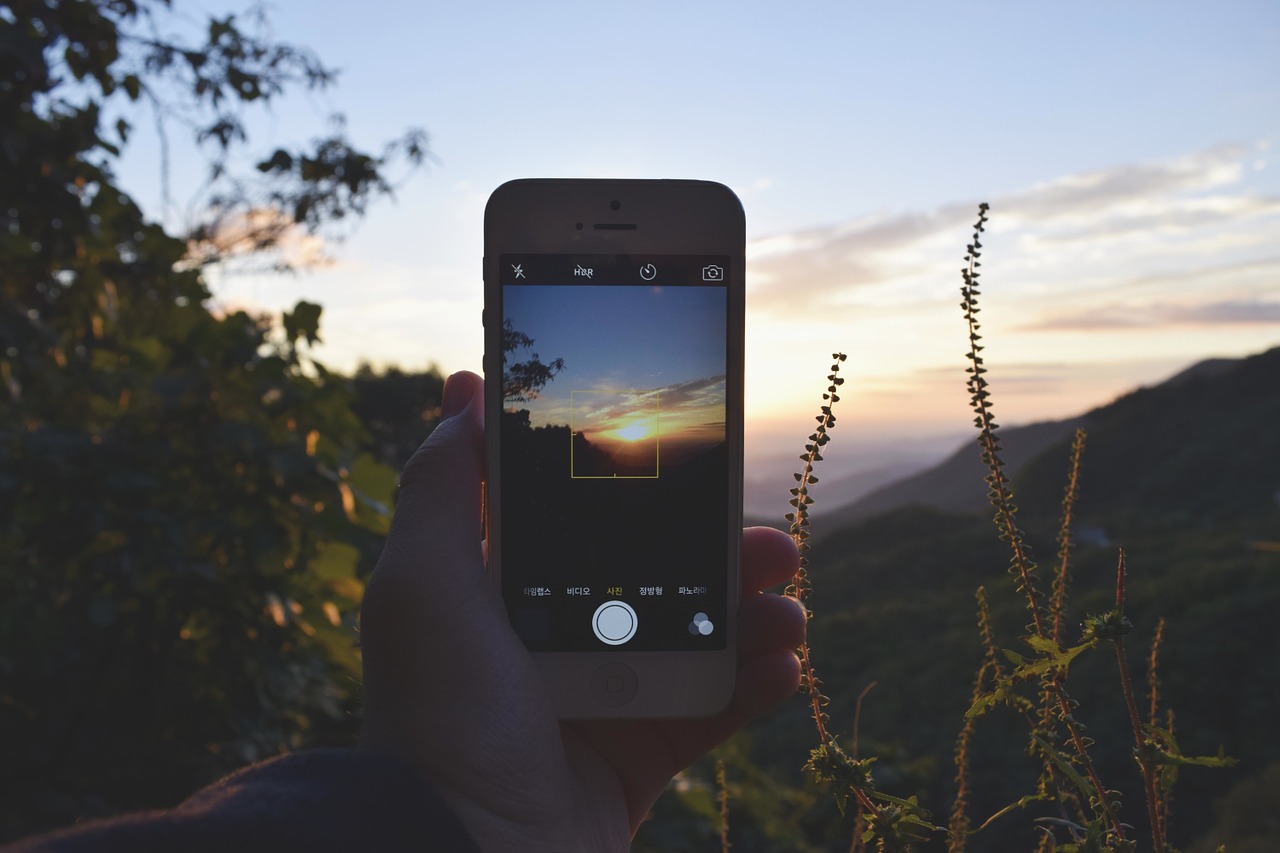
(451, 688)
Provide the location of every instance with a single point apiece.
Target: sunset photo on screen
(642, 387)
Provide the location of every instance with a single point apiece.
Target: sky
(623, 337)
(1127, 152)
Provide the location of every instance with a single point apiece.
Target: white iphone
(613, 381)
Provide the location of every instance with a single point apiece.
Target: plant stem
(1077, 741)
(1153, 673)
(799, 519)
(1131, 702)
(815, 696)
(723, 784)
(800, 586)
(857, 715)
(958, 826)
(1062, 579)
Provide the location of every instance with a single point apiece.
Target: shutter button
(614, 622)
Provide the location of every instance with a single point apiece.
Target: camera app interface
(615, 468)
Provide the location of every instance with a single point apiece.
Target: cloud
(1201, 219)
(1100, 191)
(694, 395)
(795, 271)
(1217, 313)
(1028, 377)
(1119, 316)
(1176, 215)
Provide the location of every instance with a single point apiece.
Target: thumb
(433, 551)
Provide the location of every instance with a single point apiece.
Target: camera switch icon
(701, 625)
(713, 272)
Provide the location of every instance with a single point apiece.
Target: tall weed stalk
(1069, 775)
(1056, 736)
(891, 822)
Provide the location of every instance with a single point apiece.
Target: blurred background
(242, 248)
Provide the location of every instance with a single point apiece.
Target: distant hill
(955, 484)
(764, 499)
(1202, 447)
(1204, 442)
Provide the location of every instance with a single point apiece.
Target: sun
(634, 432)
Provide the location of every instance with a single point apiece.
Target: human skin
(450, 688)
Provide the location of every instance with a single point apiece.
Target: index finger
(769, 557)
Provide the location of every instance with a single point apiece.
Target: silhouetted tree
(398, 409)
(522, 380)
(185, 510)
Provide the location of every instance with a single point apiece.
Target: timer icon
(648, 272)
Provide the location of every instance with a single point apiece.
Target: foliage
(397, 409)
(522, 380)
(764, 813)
(185, 504)
(84, 72)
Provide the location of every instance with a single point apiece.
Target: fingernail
(458, 391)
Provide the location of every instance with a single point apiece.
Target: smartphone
(613, 381)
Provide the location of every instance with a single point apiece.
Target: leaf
(1169, 753)
(152, 349)
(909, 803)
(336, 561)
(303, 321)
(1022, 803)
(1053, 657)
(373, 486)
(1003, 694)
(1068, 769)
(279, 161)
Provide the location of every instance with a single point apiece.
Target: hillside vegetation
(1186, 476)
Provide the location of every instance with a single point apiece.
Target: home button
(614, 684)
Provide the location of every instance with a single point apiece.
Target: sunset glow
(635, 431)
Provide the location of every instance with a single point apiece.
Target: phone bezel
(671, 217)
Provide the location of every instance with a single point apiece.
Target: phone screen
(615, 473)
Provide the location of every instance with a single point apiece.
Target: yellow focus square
(614, 434)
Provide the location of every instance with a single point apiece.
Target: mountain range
(1213, 428)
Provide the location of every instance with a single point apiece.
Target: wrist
(593, 821)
